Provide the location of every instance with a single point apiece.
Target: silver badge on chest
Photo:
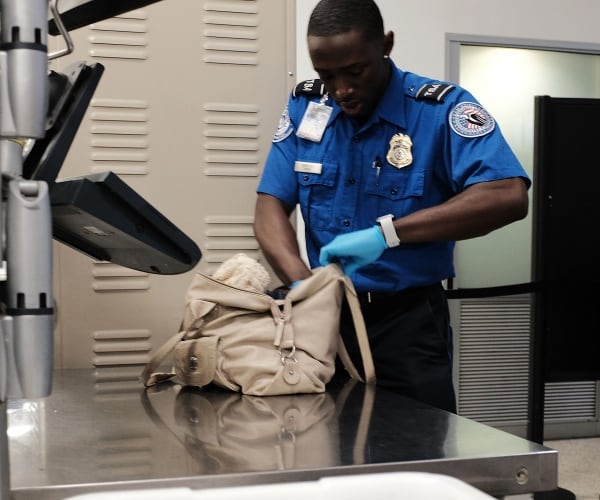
(400, 152)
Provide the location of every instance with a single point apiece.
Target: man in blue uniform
(389, 169)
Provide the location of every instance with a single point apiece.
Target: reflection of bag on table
(229, 432)
(250, 342)
(253, 433)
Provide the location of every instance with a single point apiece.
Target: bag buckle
(289, 355)
(291, 374)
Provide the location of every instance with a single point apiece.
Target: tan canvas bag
(251, 343)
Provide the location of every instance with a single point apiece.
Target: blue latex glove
(354, 250)
(294, 284)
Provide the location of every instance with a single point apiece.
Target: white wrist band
(389, 231)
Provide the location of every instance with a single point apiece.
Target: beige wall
(184, 114)
(420, 27)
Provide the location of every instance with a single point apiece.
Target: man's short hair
(334, 17)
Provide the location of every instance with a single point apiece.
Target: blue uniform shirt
(414, 152)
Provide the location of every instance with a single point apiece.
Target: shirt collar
(391, 107)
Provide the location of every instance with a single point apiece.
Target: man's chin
(352, 108)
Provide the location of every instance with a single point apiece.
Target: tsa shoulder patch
(310, 88)
(434, 91)
(284, 127)
(469, 119)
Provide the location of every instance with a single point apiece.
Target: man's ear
(388, 43)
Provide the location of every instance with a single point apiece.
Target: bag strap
(149, 375)
(361, 336)
(154, 414)
(364, 422)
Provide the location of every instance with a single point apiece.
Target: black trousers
(411, 342)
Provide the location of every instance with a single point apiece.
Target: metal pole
(4, 463)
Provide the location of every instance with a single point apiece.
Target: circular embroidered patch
(284, 128)
(469, 119)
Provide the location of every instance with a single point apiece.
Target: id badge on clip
(314, 121)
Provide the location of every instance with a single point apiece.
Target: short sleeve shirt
(426, 142)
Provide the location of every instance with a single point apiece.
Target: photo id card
(314, 121)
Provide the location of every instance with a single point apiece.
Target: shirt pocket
(317, 195)
(391, 185)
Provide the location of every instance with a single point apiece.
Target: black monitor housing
(99, 214)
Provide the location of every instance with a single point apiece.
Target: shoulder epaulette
(434, 91)
(310, 88)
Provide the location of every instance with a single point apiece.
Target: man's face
(353, 70)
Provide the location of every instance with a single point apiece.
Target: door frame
(455, 40)
(558, 429)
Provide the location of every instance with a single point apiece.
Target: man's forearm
(277, 239)
(480, 209)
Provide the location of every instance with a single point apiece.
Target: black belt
(420, 292)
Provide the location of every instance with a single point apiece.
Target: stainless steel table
(85, 438)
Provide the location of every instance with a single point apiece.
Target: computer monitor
(102, 216)
(99, 214)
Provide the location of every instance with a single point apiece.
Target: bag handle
(149, 376)
(361, 336)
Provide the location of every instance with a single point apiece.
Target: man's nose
(342, 88)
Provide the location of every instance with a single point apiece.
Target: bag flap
(195, 361)
(205, 288)
(194, 315)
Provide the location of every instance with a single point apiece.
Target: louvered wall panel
(121, 347)
(493, 343)
(494, 351)
(570, 401)
(235, 136)
(231, 144)
(114, 137)
(231, 151)
(108, 277)
(123, 37)
(226, 236)
(184, 114)
(231, 32)
(119, 136)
